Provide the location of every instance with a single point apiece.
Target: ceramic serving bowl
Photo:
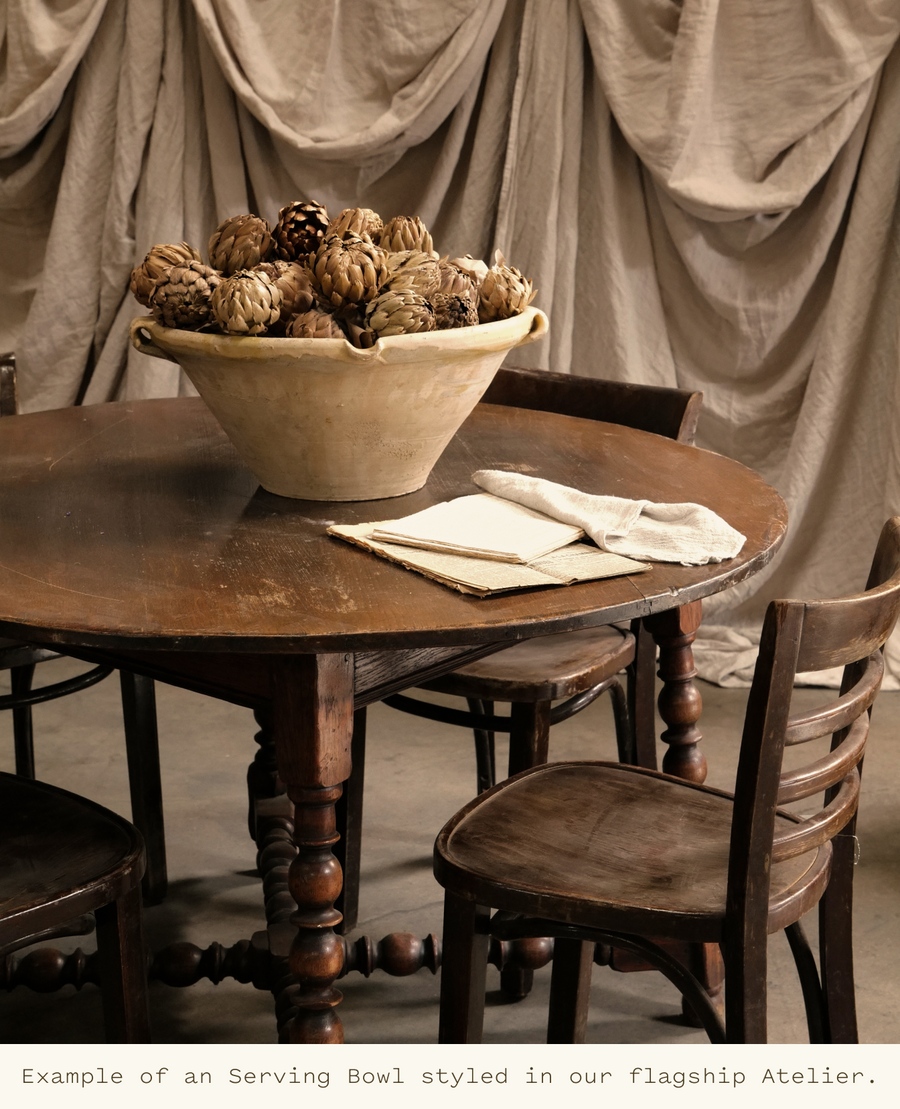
(320, 420)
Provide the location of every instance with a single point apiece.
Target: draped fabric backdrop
(704, 193)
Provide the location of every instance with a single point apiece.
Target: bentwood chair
(573, 668)
(601, 853)
(61, 858)
(138, 710)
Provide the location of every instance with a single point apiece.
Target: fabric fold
(687, 533)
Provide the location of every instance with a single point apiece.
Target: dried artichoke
(159, 259)
(356, 221)
(182, 296)
(314, 324)
(413, 269)
(347, 272)
(504, 292)
(474, 267)
(406, 233)
(240, 243)
(247, 303)
(399, 312)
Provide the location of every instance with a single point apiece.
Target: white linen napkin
(686, 533)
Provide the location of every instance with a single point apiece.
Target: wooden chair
(61, 857)
(138, 710)
(575, 667)
(600, 853)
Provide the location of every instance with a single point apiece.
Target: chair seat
(61, 856)
(544, 669)
(609, 847)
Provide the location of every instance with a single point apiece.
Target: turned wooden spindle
(317, 953)
(276, 852)
(399, 954)
(262, 773)
(46, 969)
(527, 954)
(313, 725)
(183, 964)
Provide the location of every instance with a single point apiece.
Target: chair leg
(746, 992)
(642, 696)
(570, 987)
(809, 983)
(123, 970)
(485, 766)
(836, 944)
(348, 815)
(463, 971)
(529, 743)
(529, 737)
(21, 678)
(142, 749)
(625, 743)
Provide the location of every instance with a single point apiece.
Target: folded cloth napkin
(686, 533)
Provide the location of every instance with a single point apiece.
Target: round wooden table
(134, 530)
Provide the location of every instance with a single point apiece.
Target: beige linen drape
(704, 193)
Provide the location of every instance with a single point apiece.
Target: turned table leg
(680, 702)
(313, 724)
(680, 705)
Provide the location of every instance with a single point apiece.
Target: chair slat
(827, 771)
(839, 633)
(822, 827)
(838, 714)
(673, 413)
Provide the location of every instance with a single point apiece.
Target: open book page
(482, 577)
(581, 562)
(481, 526)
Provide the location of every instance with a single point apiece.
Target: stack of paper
(484, 544)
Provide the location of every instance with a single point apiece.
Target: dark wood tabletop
(137, 525)
(133, 532)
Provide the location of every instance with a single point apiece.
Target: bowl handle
(539, 327)
(142, 340)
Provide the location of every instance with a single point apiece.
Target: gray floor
(418, 774)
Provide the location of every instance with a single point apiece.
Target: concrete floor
(418, 774)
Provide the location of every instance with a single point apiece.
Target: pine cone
(240, 243)
(356, 221)
(454, 310)
(456, 281)
(474, 267)
(182, 296)
(301, 227)
(314, 324)
(406, 233)
(347, 271)
(399, 312)
(155, 264)
(413, 269)
(504, 292)
(247, 303)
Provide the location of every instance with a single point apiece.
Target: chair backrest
(801, 636)
(670, 412)
(9, 404)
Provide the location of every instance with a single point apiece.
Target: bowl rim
(149, 336)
